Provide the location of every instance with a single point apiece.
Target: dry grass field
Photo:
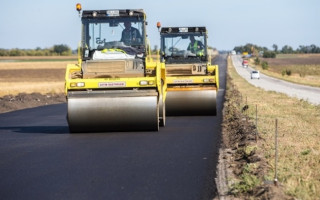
(40, 76)
(298, 137)
(303, 68)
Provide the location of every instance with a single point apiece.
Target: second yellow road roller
(192, 81)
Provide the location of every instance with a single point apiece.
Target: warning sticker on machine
(112, 84)
(182, 81)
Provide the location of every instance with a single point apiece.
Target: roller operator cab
(192, 81)
(116, 86)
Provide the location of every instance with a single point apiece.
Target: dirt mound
(21, 101)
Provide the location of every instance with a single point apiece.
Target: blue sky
(230, 23)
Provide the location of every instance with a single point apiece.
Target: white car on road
(255, 74)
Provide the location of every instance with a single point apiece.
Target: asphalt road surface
(311, 94)
(40, 159)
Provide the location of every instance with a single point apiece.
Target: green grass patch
(247, 180)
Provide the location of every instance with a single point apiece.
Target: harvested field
(36, 75)
(297, 68)
(36, 58)
(30, 84)
(28, 77)
(294, 59)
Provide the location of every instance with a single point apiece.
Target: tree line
(56, 50)
(286, 49)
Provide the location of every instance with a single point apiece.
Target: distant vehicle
(245, 63)
(255, 74)
(233, 52)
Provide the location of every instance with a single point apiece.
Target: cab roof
(183, 29)
(113, 13)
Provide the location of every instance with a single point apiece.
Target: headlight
(208, 80)
(143, 82)
(78, 84)
(146, 82)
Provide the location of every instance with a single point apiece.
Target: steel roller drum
(113, 111)
(191, 102)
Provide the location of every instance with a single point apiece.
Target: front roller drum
(191, 102)
(113, 111)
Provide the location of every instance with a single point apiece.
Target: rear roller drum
(192, 102)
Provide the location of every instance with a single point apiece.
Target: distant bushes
(286, 49)
(257, 61)
(56, 50)
(265, 65)
(286, 72)
(269, 54)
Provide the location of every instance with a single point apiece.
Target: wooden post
(276, 155)
(256, 122)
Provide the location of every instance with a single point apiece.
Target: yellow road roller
(192, 81)
(116, 85)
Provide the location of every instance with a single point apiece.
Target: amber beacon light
(158, 26)
(78, 7)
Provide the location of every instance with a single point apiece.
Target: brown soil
(21, 101)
